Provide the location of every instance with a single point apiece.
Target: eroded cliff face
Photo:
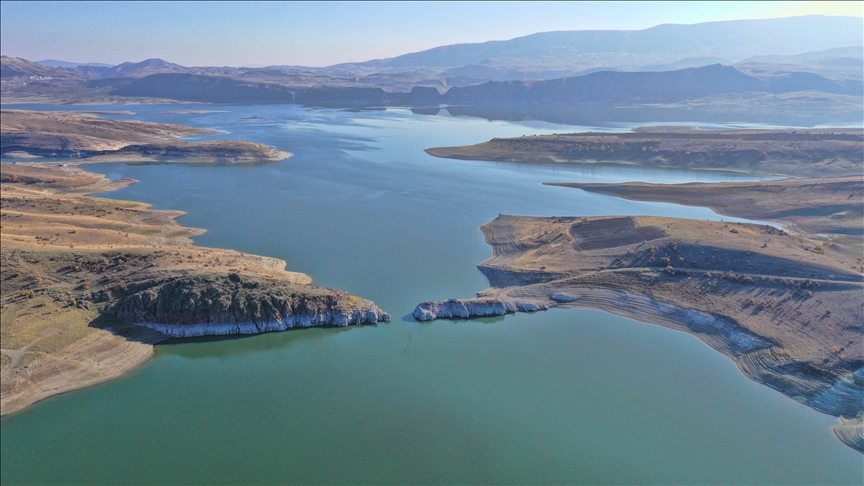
(480, 307)
(787, 312)
(218, 304)
(85, 304)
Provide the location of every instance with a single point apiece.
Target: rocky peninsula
(89, 285)
(86, 138)
(787, 308)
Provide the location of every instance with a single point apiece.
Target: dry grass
(91, 139)
(63, 254)
(805, 304)
(808, 206)
(798, 153)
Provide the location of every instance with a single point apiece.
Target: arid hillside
(89, 284)
(797, 153)
(90, 139)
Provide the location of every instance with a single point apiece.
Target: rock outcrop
(480, 307)
(786, 313)
(216, 304)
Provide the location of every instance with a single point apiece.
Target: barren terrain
(86, 280)
(832, 207)
(787, 309)
(797, 153)
(786, 305)
(89, 139)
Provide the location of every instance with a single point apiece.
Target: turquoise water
(565, 396)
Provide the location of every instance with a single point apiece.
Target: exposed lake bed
(564, 396)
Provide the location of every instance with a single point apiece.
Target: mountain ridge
(728, 39)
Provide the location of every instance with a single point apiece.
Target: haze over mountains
(633, 50)
(716, 63)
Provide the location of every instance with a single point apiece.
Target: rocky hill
(90, 284)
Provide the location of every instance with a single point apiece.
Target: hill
(607, 87)
(143, 68)
(632, 49)
(645, 87)
(15, 67)
(811, 206)
(71, 65)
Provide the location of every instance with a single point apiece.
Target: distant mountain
(644, 87)
(491, 73)
(853, 53)
(607, 87)
(91, 71)
(687, 62)
(70, 65)
(828, 46)
(15, 67)
(841, 63)
(222, 89)
(143, 68)
(633, 49)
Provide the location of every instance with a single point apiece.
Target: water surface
(565, 396)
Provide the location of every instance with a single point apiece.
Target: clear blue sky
(320, 34)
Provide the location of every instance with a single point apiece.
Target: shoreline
(850, 431)
(834, 152)
(774, 321)
(87, 138)
(827, 207)
(85, 279)
(647, 310)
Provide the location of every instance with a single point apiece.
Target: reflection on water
(564, 396)
(236, 346)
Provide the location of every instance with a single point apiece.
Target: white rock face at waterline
(212, 304)
(480, 307)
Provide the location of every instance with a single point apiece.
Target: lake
(564, 396)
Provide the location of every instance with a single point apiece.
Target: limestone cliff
(216, 304)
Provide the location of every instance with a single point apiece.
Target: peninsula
(830, 206)
(829, 152)
(787, 305)
(89, 285)
(90, 139)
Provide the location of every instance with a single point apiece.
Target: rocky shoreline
(90, 285)
(750, 352)
(775, 328)
(212, 305)
(469, 308)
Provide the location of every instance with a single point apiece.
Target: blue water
(565, 396)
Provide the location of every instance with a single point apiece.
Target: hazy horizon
(318, 34)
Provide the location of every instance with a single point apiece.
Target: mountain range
(663, 64)
(823, 40)
(634, 50)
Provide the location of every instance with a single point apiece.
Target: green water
(565, 396)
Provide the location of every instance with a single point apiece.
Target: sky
(320, 34)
